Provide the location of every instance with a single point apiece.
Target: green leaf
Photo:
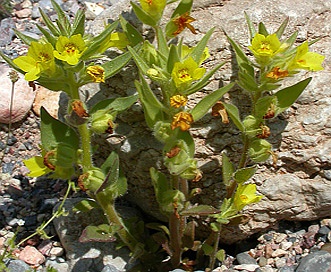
(203, 81)
(11, 63)
(282, 28)
(62, 21)
(188, 139)
(198, 50)
(263, 30)
(202, 210)
(153, 108)
(207, 249)
(25, 38)
(115, 65)
(140, 62)
(54, 132)
(220, 255)
(158, 226)
(115, 183)
(208, 101)
(78, 25)
(247, 81)
(97, 42)
(101, 233)
(244, 174)
(227, 169)
(85, 205)
(243, 62)
(115, 104)
(36, 166)
(142, 15)
(172, 58)
(287, 96)
(183, 6)
(49, 24)
(162, 42)
(50, 38)
(251, 28)
(131, 32)
(262, 106)
(233, 112)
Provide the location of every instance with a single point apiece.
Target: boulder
(22, 99)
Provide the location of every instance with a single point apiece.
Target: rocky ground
(26, 202)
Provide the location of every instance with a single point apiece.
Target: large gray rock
(87, 256)
(297, 188)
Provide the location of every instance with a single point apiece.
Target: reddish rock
(31, 256)
(23, 97)
(47, 99)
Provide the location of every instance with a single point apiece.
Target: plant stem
(175, 227)
(83, 129)
(114, 219)
(86, 146)
(215, 248)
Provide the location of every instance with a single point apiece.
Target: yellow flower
(265, 46)
(39, 59)
(97, 73)
(183, 21)
(153, 7)
(306, 60)
(183, 74)
(183, 120)
(276, 73)
(178, 100)
(70, 49)
(245, 194)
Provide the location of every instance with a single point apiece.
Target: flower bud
(259, 150)
(102, 122)
(91, 180)
(162, 131)
(251, 126)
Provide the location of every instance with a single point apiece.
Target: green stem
(114, 219)
(175, 227)
(83, 129)
(215, 248)
(86, 146)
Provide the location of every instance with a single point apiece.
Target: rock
(58, 263)
(6, 31)
(246, 267)
(31, 256)
(317, 261)
(23, 13)
(47, 99)
(23, 97)
(56, 251)
(82, 256)
(17, 266)
(245, 258)
(110, 268)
